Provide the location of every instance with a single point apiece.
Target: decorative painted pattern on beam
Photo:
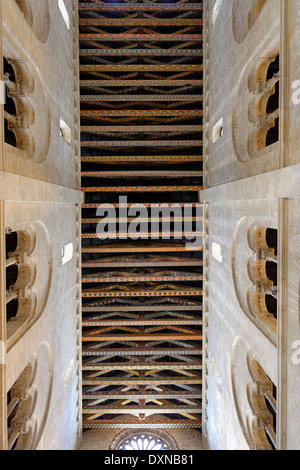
(142, 309)
(155, 395)
(142, 113)
(141, 293)
(161, 159)
(143, 381)
(144, 189)
(165, 205)
(136, 366)
(142, 409)
(142, 263)
(119, 220)
(142, 322)
(144, 7)
(141, 235)
(142, 143)
(141, 52)
(134, 129)
(140, 22)
(140, 83)
(143, 337)
(142, 352)
(144, 305)
(141, 278)
(140, 249)
(155, 313)
(141, 174)
(99, 98)
(140, 67)
(140, 37)
(143, 424)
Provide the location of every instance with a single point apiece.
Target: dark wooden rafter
(141, 78)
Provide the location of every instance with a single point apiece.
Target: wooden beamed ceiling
(141, 78)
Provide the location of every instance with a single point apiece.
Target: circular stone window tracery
(143, 440)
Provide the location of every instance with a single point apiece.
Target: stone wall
(251, 185)
(40, 215)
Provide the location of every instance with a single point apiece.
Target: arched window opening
(12, 309)
(264, 399)
(273, 68)
(271, 272)
(266, 108)
(264, 268)
(271, 237)
(273, 134)
(144, 440)
(271, 305)
(11, 243)
(20, 274)
(9, 104)
(273, 102)
(12, 273)
(12, 410)
(19, 405)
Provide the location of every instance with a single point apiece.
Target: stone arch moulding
(241, 255)
(246, 123)
(30, 398)
(32, 295)
(37, 15)
(244, 15)
(158, 433)
(250, 386)
(32, 122)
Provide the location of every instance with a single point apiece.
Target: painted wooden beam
(143, 424)
(113, 262)
(132, 248)
(129, 409)
(141, 83)
(159, 316)
(142, 113)
(131, 395)
(141, 367)
(139, 67)
(141, 235)
(140, 98)
(142, 308)
(111, 352)
(144, 7)
(141, 143)
(141, 52)
(135, 129)
(140, 189)
(120, 37)
(141, 174)
(142, 322)
(169, 22)
(142, 381)
(136, 205)
(142, 293)
(143, 337)
(141, 278)
(161, 159)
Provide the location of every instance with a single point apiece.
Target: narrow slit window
(10, 111)
(65, 131)
(64, 12)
